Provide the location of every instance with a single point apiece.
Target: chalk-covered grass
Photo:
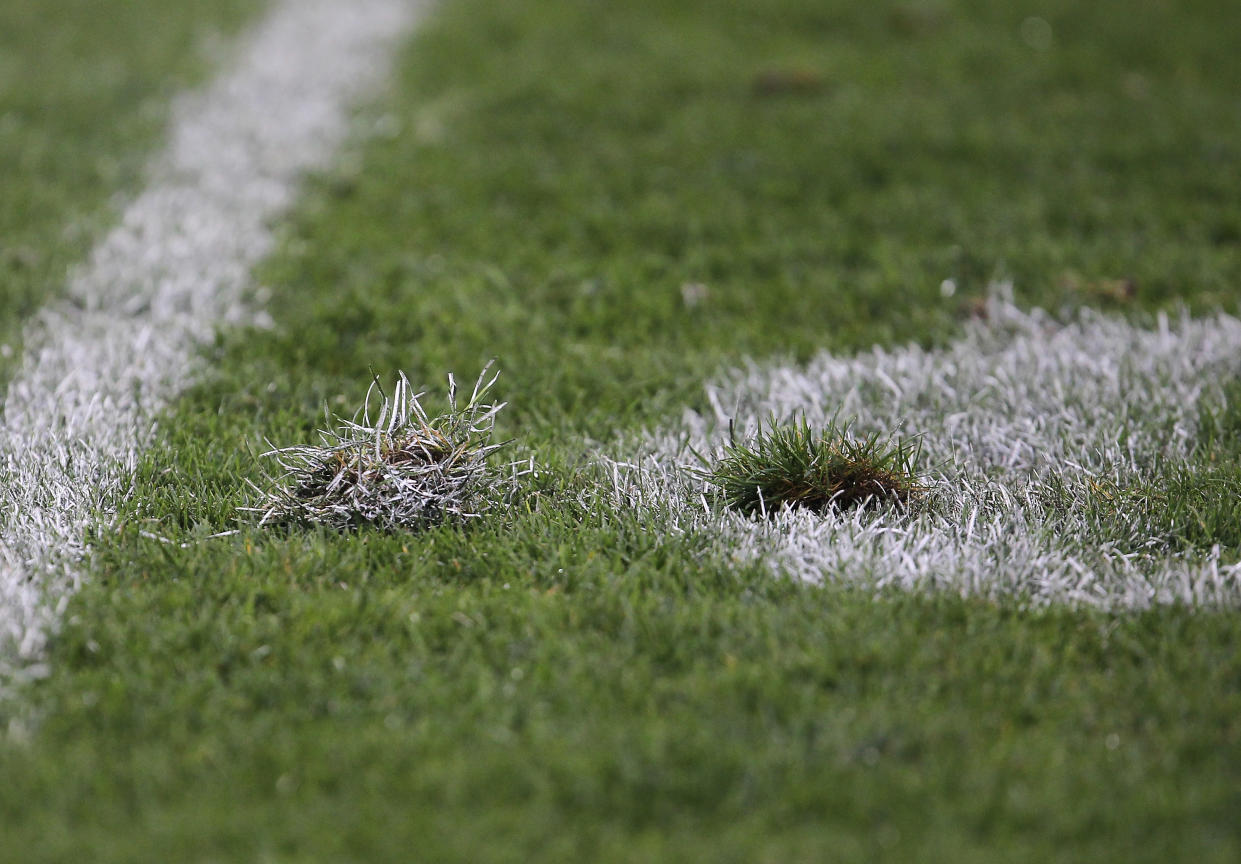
(399, 470)
(619, 208)
(1030, 425)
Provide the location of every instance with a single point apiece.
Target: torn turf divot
(1019, 399)
(404, 470)
(98, 369)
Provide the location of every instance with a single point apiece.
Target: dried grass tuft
(404, 471)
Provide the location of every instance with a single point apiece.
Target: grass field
(619, 205)
(84, 95)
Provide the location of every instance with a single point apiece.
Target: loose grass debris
(406, 471)
(796, 466)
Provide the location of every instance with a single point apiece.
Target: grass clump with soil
(794, 465)
(405, 470)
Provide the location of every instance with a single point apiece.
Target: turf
(1187, 504)
(564, 179)
(84, 93)
(797, 465)
(563, 683)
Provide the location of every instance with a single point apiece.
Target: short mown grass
(84, 92)
(612, 203)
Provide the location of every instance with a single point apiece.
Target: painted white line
(99, 367)
(1019, 399)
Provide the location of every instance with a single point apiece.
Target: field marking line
(99, 367)
(1020, 402)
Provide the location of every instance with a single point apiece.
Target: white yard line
(99, 367)
(1020, 398)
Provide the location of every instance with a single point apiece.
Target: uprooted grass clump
(404, 471)
(794, 465)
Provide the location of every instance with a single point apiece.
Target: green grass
(563, 174)
(1185, 505)
(563, 683)
(315, 701)
(84, 92)
(794, 465)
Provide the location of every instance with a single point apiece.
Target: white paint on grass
(99, 367)
(1019, 403)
